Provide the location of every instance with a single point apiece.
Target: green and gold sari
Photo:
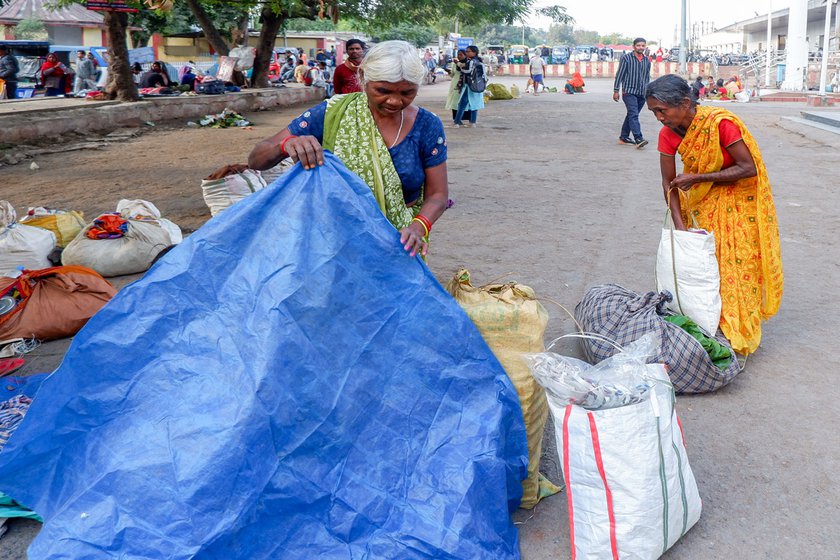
(351, 134)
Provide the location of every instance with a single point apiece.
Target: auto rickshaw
(559, 54)
(606, 54)
(517, 54)
(583, 53)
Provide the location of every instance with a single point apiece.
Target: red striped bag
(630, 489)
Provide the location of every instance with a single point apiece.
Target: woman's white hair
(393, 61)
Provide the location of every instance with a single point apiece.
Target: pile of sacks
(45, 237)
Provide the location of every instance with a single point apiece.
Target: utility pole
(683, 43)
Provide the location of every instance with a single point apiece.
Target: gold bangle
(426, 229)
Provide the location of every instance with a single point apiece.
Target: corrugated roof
(75, 14)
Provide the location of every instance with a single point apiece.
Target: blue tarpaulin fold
(287, 383)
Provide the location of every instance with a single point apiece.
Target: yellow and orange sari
(743, 218)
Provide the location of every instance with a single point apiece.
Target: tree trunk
(210, 32)
(271, 23)
(240, 34)
(120, 79)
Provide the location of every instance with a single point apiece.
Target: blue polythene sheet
(286, 383)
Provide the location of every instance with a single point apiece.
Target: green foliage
(474, 12)
(585, 37)
(417, 35)
(560, 35)
(615, 39)
(505, 35)
(30, 28)
(225, 17)
(557, 14)
(303, 24)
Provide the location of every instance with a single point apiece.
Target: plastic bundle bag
(617, 381)
(630, 488)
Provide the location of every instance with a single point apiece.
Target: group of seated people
(158, 76)
(716, 90)
(315, 74)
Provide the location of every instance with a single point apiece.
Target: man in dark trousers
(9, 69)
(632, 79)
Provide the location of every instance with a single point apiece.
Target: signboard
(227, 64)
(464, 42)
(110, 6)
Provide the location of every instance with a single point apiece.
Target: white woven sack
(22, 245)
(687, 267)
(129, 254)
(631, 491)
(133, 208)
(221, 193)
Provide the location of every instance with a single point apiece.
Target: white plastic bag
(631, 491)
(221, 193)
(245, 57)
(686, 266)
(22, 245)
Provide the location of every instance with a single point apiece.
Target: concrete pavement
(545, 195)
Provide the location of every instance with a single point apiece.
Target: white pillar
(826, 37)
(768, 51)
(796, 46)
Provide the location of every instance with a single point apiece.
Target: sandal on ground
(10, 365)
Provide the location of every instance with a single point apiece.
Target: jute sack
(512, 322)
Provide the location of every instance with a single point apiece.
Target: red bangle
(283, 143)
(426, 222)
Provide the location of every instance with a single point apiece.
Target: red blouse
(728, 131)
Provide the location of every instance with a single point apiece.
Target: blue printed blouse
(423, 147)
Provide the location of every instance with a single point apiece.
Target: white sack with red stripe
(631, 491)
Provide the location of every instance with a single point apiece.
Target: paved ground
(544, 194)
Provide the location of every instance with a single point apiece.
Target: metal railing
(756, 66)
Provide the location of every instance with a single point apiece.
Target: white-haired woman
(397, 148)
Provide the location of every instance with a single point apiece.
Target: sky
(653, 20)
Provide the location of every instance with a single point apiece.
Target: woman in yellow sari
(724, 189)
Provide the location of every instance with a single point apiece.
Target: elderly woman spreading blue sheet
(397, 148)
